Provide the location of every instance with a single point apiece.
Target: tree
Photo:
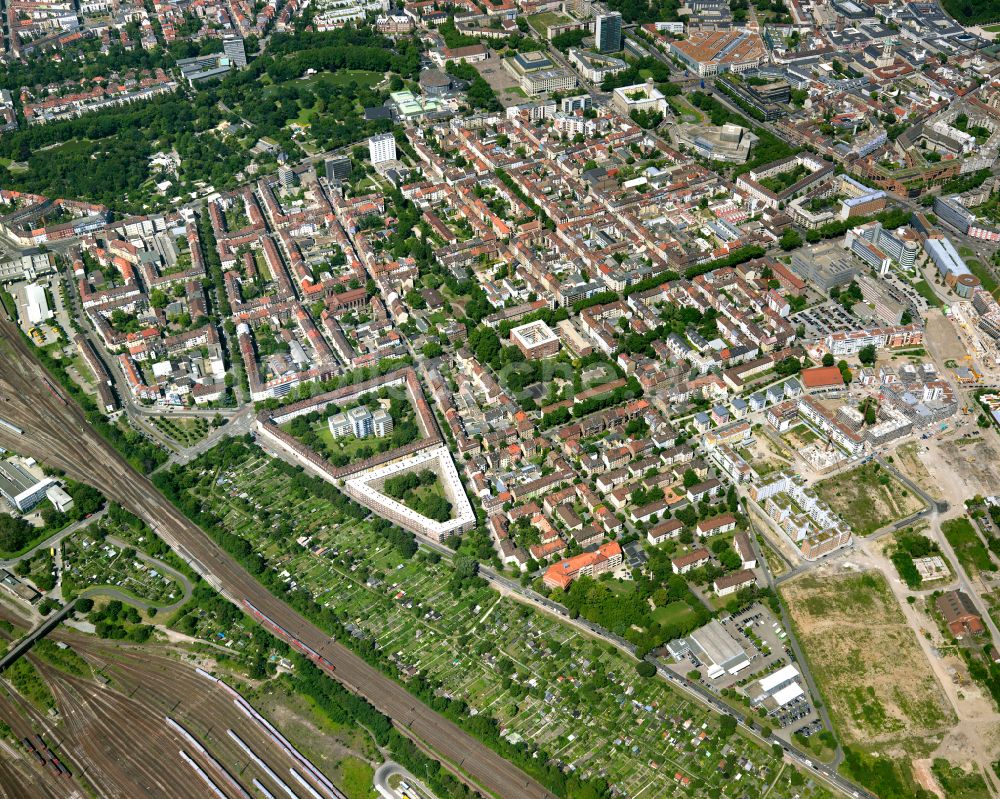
(158, 299)
(466, 567)
(906, 318)
(845, 371)
(15, 532)
(790, 239)
(432, 349)
(867, 355)
(690, 478)
(828, 359)
(645, 669)
(84, 605)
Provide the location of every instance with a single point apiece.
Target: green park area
(530, 679)
(105, 156)
(185, 431)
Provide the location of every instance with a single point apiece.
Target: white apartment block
(382, 148)
(799, 513)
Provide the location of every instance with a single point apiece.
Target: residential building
(744, 548)
(382, 148)
(691, 560)
(535, 339)
(605, 558)
(360, 422)
(731, 583)
(716, 525)
(801, 515)
(663, 531)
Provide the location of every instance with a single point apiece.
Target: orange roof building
(821, 377)
(590, 564)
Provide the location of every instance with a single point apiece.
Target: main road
(56, 433)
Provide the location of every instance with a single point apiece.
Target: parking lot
(764, 640)
(821, 320)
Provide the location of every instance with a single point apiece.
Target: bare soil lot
(907, 460)
(971, 462)
(942, 340)
(878, 685)
(868, 498)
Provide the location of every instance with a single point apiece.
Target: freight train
(286, 636)
(45, 756)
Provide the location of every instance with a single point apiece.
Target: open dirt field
(942, 340)
(968, 465)
(766, 455)
(907, 460)
(868, 498)
(876, 681)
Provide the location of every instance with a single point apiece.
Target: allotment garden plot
(579, 701)
(90, 562)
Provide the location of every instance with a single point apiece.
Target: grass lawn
(343, 77)
(517, 91)
(984, 274)
(356, 778)
(674, 613)
(923, 288)
(967, 544)
(540, 22)
(867, 498)
(683, 108)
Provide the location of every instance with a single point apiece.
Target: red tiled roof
(822, 377)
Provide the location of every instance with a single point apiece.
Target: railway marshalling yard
(113, 734)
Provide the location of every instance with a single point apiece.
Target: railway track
(57, 433)
(165, 688)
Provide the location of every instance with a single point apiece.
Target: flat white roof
(714, 645)
(782, 675)
(787, 694)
